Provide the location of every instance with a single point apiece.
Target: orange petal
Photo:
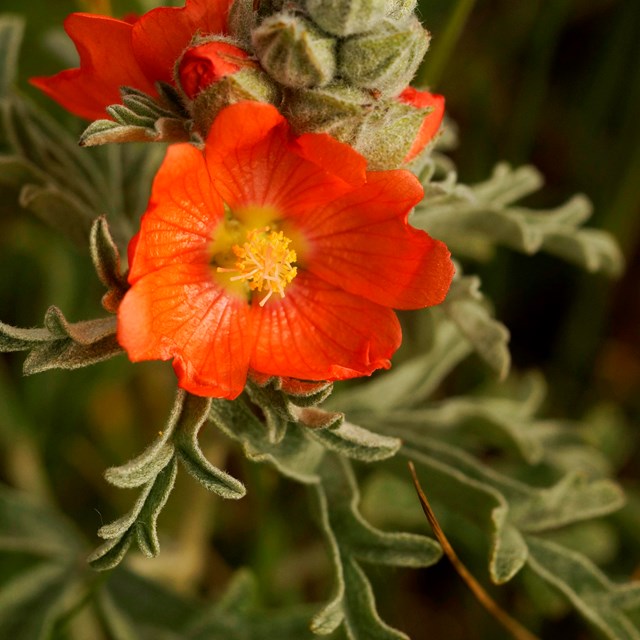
(253, 160)
(178, 312)
(319, 332)
(363, 244)
(182, 215)
(335, 157)
(107, 62)
(161, 35)
(432, 121)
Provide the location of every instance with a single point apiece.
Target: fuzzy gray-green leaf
(466, 307)
(296, 456)
(147, 465)
(146, 526)
(484, 213)
(355, 442)
(72, 345)
(111, 553)
(11, 30)
(60, 210)
(30, 602)
(362, 621)
(194, 414)
(585, 586)
(350, 537)
(360, 538)
(413, 380)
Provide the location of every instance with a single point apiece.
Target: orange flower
(431, 122)
(277, 255)
(134, 53)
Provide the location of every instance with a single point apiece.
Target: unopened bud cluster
(337, 66)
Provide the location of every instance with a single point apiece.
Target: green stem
(430, 73)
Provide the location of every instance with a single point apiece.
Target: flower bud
(386, 59)
(215, 74)
(337, 109)
(400, 9)
(346, 17)
(387, 132)
(247, 84)
(205, 64)
(294, 51)
(431, 120)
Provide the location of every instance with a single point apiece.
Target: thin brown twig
(510, 624)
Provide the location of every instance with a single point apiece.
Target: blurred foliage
(555, 83)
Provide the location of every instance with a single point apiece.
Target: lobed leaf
(465, 217)
(61, 344)
(594, 596)
(155, 471)
(195, 412)
(355, 442)
(466, 308)
(351, 538)
(412, 381)
(296, 456)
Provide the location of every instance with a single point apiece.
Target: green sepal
(388, 133)
(294, 51)
(106, 260)
(284, 401)
(400, 9)
(61, 344)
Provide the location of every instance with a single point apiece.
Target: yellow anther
(265, 262)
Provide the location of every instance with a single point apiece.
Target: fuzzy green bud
(389, 134)
(247, 84)
(337, 109)
(384, 131)
(400, 9)
(386, 59)
(346, 17)
(294, 51)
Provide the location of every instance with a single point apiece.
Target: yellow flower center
(264, 261)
